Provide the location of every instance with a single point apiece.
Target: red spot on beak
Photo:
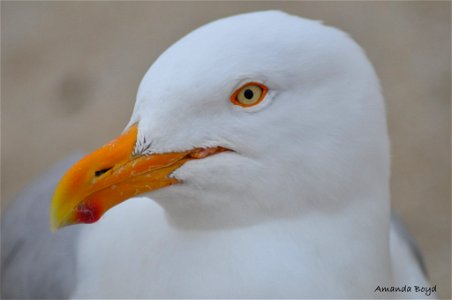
(87, 214)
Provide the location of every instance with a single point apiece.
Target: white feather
(301, 209)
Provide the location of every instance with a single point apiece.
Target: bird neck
(365, 215)
(371, 203)
(357, 234)
(344, 253)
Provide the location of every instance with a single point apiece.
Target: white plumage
(300, 209)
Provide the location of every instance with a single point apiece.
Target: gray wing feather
(35, 262)
(405, 234)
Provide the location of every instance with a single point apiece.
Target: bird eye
(250, 94)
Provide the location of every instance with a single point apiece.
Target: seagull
(256, 164)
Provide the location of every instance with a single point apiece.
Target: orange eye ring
(249, 94)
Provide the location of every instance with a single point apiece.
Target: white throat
(237, 262)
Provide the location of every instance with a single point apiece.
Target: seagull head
(246, 119)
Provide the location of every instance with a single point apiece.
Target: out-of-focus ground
(70, 71)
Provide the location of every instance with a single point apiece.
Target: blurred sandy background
(70, 71)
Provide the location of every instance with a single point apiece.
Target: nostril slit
(102, 171)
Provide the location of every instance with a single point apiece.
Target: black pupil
(100, 172)
(248, 94)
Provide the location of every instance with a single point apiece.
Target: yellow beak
(111, 175)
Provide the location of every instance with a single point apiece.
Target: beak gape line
(113, 174)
